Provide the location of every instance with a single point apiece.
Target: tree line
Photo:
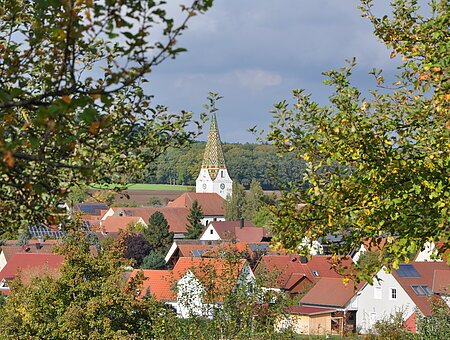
(245, 162)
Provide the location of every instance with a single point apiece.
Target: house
(295, 274)
(213, 205)
(195, 285)
(187, 248)
(407, 289)
(285, 273)
(198, 248)
(29, 265)
(176, 216)
(12, 247)
(306, 320)
(111, 225)
(243, 231)
(333, 292)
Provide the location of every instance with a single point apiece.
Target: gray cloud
(255, 52)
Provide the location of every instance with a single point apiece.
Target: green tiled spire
(213, 159)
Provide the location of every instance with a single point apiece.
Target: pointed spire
(213, 159)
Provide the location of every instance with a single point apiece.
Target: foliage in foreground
(377, 166)
(89, 300)
(72, 107)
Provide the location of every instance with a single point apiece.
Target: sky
(255, 52)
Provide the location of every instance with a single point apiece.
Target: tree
(376, 165)
(154, 260)
(157, 233)
(72, 107)
(88, 300)
(136, 247)
(195, 227)
(253, 200)
(234, 205)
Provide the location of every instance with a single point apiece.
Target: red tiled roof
(306, 310)
(33, 247)
(288, 270)
(176, 217)
(426, 271)
(212, 204)
(112, 224)
(35, 263)
(325, 266)
(158, 283)
(331, 292)
(441, 282)
(231, 230)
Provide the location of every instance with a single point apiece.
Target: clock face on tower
(222, 186)
(204, 185)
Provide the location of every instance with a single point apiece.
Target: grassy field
(141, 186)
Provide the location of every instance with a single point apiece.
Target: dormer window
(422, 290)
(315, 273)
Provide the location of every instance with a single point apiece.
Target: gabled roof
(287, 269)
(216, 273)
(158, 283)
(426, 271)
(441, 282)
(231, 230)
(28, 264)
(11, 247)
(331, 292)
(325, 266)
(211, 203)
(176, 217)
(112, 224)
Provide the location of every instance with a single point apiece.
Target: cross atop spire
(213, 158)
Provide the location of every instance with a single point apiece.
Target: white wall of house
(110, 212)
(2, 260)
(428, 253)
(189, 297)
(210, 234)
(208, 219)
(380, 301)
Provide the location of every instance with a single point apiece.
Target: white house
(404, 290)
(195, 286)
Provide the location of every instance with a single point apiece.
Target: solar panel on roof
(197, 253)
(407, 270)
(258, 247)
(91, 208)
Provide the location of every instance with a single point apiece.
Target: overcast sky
(255, 52)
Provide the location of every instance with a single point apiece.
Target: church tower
(214, 177)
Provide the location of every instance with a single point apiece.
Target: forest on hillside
(244, 162)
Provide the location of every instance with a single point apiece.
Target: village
(200, 265)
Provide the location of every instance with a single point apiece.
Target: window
(422, 290)
(315, 273)
(377, 292)
(221, 173)
(393, 295)
(211, 231)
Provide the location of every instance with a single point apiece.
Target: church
(214, 177)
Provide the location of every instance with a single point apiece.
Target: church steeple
(213, 158)
(213, 177)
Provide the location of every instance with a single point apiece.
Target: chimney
(242, 223)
